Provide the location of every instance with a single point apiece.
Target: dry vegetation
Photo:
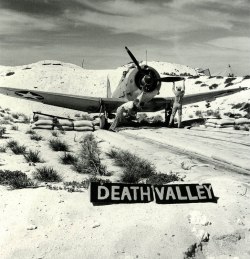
(137, 169)
(15, 179)
(58, 145)
(47, 174)
(88, 159)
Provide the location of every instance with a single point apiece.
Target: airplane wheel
(103, 122)
(168, 112)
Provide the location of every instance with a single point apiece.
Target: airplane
(139, 82)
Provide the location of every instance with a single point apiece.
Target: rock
(205, 237)
(32, 227)
(197, 218)
(240, 222)
(201, 234)
(96, 225)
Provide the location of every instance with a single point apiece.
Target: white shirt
(128, 105)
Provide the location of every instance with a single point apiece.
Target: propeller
(133, 58)
(170, 79)
(162, 79)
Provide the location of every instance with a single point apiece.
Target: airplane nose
(146, 80)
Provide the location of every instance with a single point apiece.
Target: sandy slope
(43, 223)
(56, 76)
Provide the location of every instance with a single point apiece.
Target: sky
(198, 33)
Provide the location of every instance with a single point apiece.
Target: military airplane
(141, 81)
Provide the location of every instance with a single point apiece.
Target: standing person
(177, 106)
(128, 109)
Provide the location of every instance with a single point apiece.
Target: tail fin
(109, 94)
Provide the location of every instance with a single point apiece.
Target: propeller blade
(171, 79)
(133, 58)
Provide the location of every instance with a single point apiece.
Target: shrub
(246, 128)
(2, 131)
(246, 77)
(198, 113)
(54, 133)
(213, 86)
(11, 143)
(238, 106)
(77, 115)
(10, 73)
(16, 179)
(219, 77)
(236, 127)
(203, 85)
(58, 145)
(47, 174)
(14, 127)
(36, 137)
(3, 149)
(33, 156)
(15, 115)
(229, 80)
(63, 132)
(88, 160)
(26, 119)
(68, 159)
(198, 82)
(16, 148)
(216, 113)
(8, 118)
(130, 175)
(77, 186)
(5, 122)
(185, 74)
(195, 77)
(159, 179)
(135, 167)
(30, 131)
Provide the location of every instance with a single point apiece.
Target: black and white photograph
(124, 129)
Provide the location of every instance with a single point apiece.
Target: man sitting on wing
(177, 106)
(128, 109)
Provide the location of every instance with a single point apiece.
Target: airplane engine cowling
(147, 79)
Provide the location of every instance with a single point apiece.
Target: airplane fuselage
(142, 84)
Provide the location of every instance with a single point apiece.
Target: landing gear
(103, 117)
(168, 112)
(103, 122)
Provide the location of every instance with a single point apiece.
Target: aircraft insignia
(29, 95)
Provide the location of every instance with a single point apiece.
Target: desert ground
(57, 219)
(47, 222)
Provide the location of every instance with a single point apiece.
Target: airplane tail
(109, 94)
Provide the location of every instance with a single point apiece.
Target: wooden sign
(120, 193)
(111, 193)
(184, 193)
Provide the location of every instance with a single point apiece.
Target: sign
(184, 193)
(113, 193)
(108, 193)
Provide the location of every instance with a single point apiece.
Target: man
(177, 106)
(126, 110)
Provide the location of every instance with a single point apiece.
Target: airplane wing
(93, 104)
(158, 103)
(81, 103)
